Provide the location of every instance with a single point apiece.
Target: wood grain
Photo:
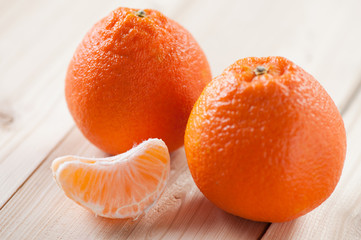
(321, 36)
(33, 113)
(36, 46)
(340, 216)
(40, 209)
(37, 39)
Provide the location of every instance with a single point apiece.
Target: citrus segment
(122, 186)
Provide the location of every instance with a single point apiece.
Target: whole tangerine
(265, 141)
(135, 75)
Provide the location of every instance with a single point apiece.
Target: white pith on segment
(143, 169)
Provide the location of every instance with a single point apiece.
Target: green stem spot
(260, 70)
(141, 13)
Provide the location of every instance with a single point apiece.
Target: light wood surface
(37, 39)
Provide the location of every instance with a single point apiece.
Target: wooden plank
(227, 31)
(27, 95)
(31, 217)
(40, 210)
(339, 216)
(32, 69)
(321, 36)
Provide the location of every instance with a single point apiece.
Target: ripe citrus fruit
(122, 186)
(135, 75)
(265, 141)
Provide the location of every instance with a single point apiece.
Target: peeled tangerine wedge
(123, 186)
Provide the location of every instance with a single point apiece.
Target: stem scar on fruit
(260, 70)
(141, 13)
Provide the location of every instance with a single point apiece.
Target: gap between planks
(28, 96)
(344, 194)
(181, 212)
(171, 182)
(209, 41)
(196, 24)
(41, 163)
(351, 98)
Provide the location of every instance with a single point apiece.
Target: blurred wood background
(37, 40)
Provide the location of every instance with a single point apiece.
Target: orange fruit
(135, 75)
(122, 186)
(265, 141)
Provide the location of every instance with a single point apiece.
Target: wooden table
(37, 39)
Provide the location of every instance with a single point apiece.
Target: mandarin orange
(135, 75)
(265, 141)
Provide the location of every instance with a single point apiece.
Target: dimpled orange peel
(265, 141)
(135, 75)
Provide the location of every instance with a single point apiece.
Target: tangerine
(265, 141)
(135, 75)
